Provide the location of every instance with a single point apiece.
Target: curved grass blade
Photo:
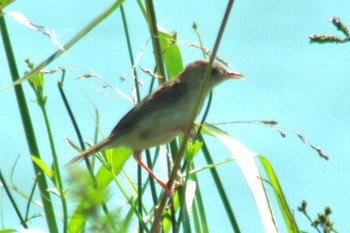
(282, 202)
(246, 163)
(68, 45)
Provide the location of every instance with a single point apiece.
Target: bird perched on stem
(164, 113)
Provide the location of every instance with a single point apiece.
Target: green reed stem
(28, 129)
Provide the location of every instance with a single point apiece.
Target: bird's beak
(234, 75)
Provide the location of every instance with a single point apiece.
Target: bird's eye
(214, 71)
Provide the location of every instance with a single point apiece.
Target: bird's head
(194, 73)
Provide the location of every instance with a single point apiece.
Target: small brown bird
(164, 113)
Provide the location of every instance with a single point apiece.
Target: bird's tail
(98, 146)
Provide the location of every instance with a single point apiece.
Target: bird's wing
(168, 94)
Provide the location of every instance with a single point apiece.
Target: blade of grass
(57, 173)
(131, 56)
(37, 84)
(277, 189)
(30, 199)
(220, 188)
(186, 194)
(69, 44)
(133, 203)
(7, 190)
(80, 138)
(136, 85)
(245, 161)
(200, 206)
(152, 24)
(28, 129)
(196, 218)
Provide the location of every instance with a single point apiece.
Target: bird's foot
(165, 184)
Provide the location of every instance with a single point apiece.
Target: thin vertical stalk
(211, 93)
(195, 27)
(80, 138)
(30, 199)
(176, 166)
(131, 56)
(136, 84)
(28, 129)
(220, 187)
(37, 84)
(4, 184)
(183, 216)
(152, 23)
(200, 206)
(151, 181)
(139, 196)
(206, 111)
(58, 180)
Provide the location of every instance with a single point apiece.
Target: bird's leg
(137, 157)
